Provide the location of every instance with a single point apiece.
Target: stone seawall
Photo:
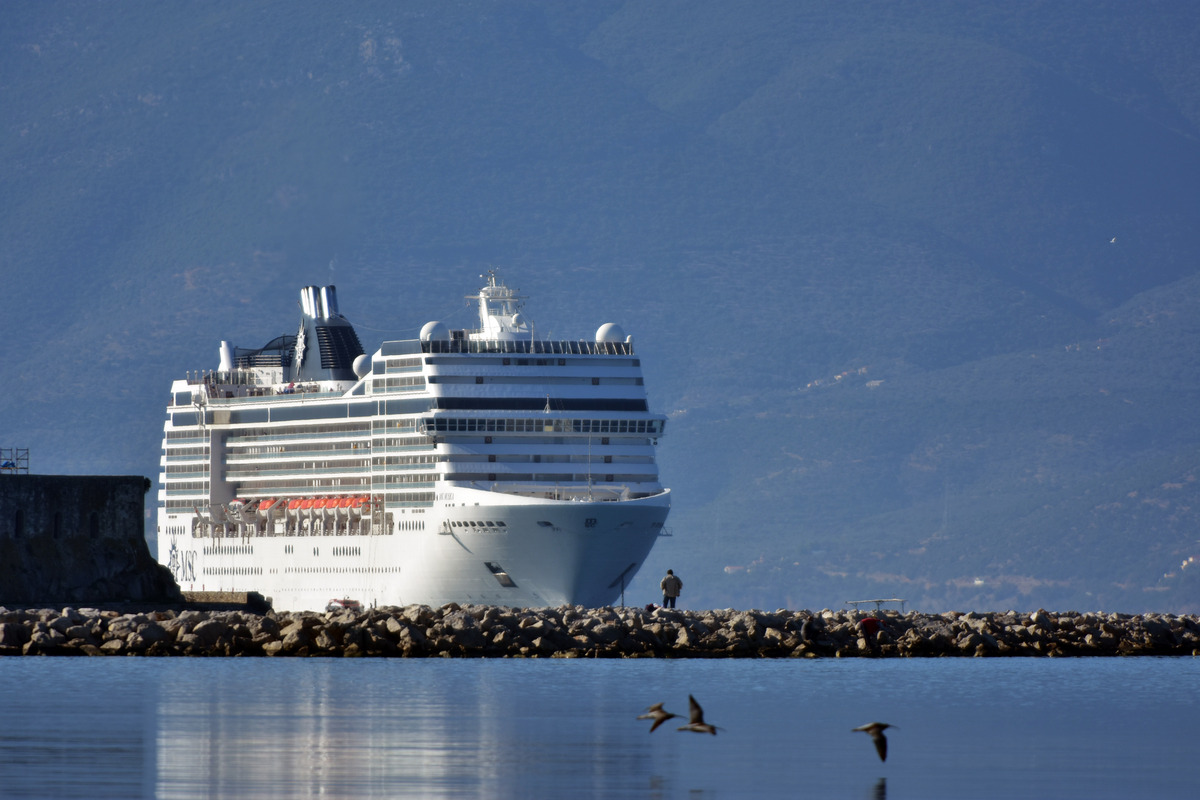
(78, 539)
(577, 632)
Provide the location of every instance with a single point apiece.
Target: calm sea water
(969, 728)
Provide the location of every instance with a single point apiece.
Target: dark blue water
(969, 728)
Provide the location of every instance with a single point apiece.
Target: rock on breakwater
(574, 632)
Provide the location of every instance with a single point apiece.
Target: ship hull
(547, 553)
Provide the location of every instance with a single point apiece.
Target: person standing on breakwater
(671, 586)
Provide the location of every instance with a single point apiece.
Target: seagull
(657, 713)
(875, 729)
(696, 722)
(1112, 240)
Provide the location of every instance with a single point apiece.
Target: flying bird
(696, 722)
(875, 729)
(657, 713)
(1112, 240)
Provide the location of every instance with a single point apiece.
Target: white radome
(610, 332)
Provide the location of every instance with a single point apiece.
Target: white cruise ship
(474, 466)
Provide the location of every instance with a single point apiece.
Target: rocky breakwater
(577, 632)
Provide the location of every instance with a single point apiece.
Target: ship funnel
(327, 344)
(319, 302)
(226, 353)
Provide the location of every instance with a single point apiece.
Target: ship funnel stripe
(319, 302)
(329, 307)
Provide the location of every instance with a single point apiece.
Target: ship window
(479, 379)
(492, 457)
(608, 459)
(595, 381)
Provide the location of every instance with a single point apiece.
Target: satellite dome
(610, 332)
(435, 332)
(362, 365)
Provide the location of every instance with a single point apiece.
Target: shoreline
(475, 631)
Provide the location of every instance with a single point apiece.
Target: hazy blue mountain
(918, 283)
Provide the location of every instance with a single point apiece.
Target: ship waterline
(479, 466)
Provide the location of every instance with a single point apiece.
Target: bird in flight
(657, 713)
(875, 729)
(696, 722)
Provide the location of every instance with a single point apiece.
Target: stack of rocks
(575, 631)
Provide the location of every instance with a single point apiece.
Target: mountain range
(917, 283)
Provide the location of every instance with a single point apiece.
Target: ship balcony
(580, 493)
(194, 475)
(379, 388)
(554, 478)
(396, 486)
(571, 347)
(199, 494)
(245, 386)
(426, 447)
(316, 434)
(189, 459)
(248, 457)
(299, 471)
(257, 491)
(192, 440)
(403, 469)
(551, 465)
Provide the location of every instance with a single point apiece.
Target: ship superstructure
(475, 466)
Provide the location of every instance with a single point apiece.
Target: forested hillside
(918, 283)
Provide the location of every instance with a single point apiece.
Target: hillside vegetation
(916, 282)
